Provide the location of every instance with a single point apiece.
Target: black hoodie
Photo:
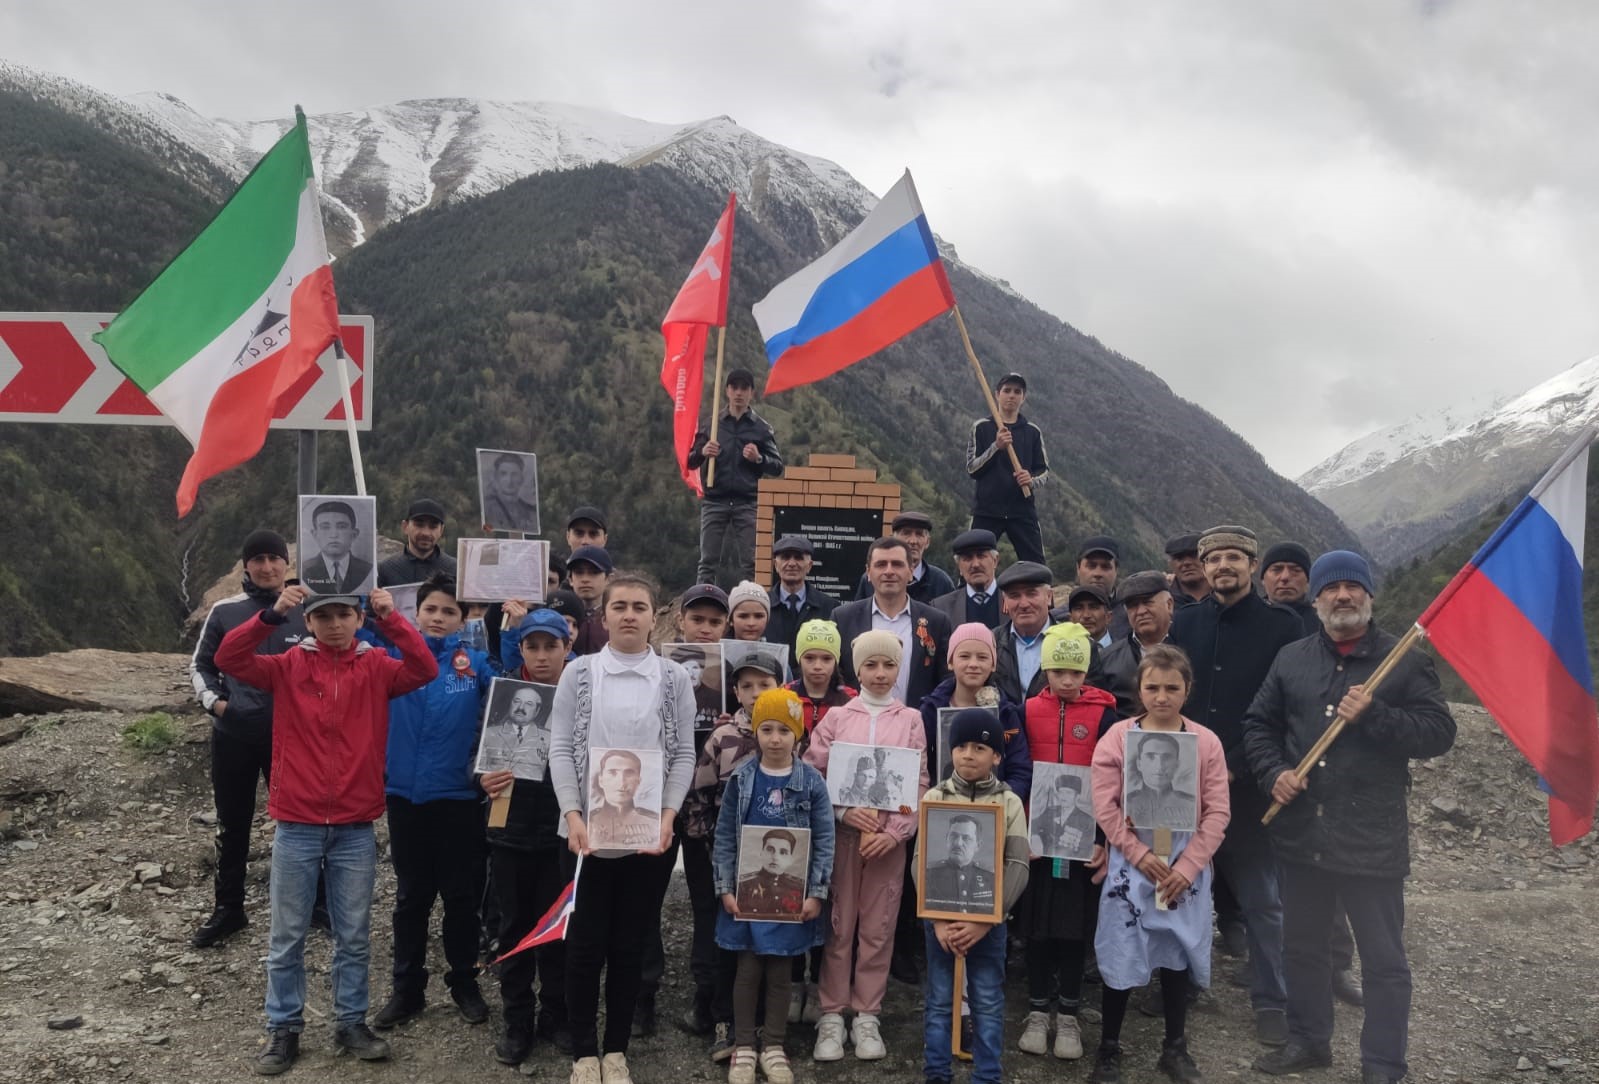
(249, 714)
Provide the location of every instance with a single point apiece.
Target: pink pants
(865, 898)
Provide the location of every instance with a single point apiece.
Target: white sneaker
(741, 1070)
(586, 1071)
(813, 1004)
(796, 1003)
(867, 1038)
(775, 1067)
(1068, 1038)
(613, 1069)
(829, 1038)
(1035, 1036)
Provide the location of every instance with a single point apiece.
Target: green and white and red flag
(237, 318)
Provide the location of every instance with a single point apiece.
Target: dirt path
(1502, 934)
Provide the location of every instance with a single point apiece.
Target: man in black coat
(926, 582)
(241, 723)
(1146, 599)
(1231, 638)
(922, 630)
(1188, 584)
(744, 452)
(1027, 590)
(1285, 579)
(1344, 834)
(794, 599)
(977, 598)
(423, 529)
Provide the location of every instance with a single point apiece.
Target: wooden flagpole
(716, 402)
(349, 416)
(993, 407)
(1324, 743)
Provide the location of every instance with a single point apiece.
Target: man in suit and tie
(794, 599)
(977, 599)
(922, 630)
(335, 570)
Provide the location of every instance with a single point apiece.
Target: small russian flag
(552, 927)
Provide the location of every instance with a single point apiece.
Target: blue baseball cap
(544, 620)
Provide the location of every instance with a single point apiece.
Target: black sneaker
(1108, 1064)
(467, 998)
(644, 1018)
(1346, 987)
(514, 1047)
(1294, 1057)
(1271, 1027)
(722, 1044)
(279, 1054)
(398, 1009)
(358, 1039)
(696, 1019)
(224, 922)
(1177, 1063)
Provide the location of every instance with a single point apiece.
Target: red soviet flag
(700, 305)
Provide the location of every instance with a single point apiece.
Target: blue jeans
(346, 855)
(985, 989)
(1246, 862)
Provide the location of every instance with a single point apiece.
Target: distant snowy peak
(1378, 449)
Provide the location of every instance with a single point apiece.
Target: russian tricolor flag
(552, 927)
(1511, 624)
(877, 285)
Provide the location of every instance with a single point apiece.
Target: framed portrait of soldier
(508, 490)
(960, 862)
(1160, 780)
(874, 776)
(516, 729)
(773, 863)
(735, 653)
(624, 799)
(1060, 822)
(404, 596)
(704, 665)
(338, 552)
(501, 569)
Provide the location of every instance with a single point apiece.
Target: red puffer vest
(1060, 733)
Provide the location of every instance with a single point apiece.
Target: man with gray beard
(1343, 835)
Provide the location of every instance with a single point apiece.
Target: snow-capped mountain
(1403, 489)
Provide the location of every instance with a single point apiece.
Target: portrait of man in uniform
(772, 865)
(622, 816)
(1157, 788)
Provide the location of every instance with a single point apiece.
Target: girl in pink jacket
(868, 856)
(1154, 911)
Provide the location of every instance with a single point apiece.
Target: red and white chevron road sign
(52, 371)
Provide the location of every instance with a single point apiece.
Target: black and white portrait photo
(1159, 785)
(1061, 821)
(508, 490)
(501, 569)
(338, 544)
(960, 861)
(704, 665)
(516, 729)
(874, 776)
(624, 799)
(772, 866)
(404, 596)
(735, 653)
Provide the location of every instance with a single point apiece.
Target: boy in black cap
(586, 527)
(423, 529)
(744, 452)
(241, 722)
(998, 503)
(587, 570)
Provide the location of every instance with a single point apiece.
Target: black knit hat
(977, 725)
(1291, 552)
(265, 542)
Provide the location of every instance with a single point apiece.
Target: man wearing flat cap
(1097, 561)
(915, 529)
(1026, 591)
(423, 531)
(999, 504)
(1343, 833)
(977, 598)
(1285, 578)
(1231, 639)
(1187, 575)
(1147, 599)
(794, 599)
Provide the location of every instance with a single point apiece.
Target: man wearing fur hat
(1231, 637)
(1343, 834)
(241, 723)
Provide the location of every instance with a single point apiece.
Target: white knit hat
(748, 591)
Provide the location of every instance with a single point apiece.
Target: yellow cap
(778, 705)
(1066, 647)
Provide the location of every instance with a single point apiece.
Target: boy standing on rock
(330, 719)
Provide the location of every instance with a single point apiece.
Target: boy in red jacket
(330, 721)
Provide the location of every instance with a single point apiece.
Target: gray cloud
(1310, 219)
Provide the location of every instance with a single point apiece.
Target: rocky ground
(105, 863)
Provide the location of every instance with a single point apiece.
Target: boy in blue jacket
(435, 813)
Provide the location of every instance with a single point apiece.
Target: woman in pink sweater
(1155, 908)
(868, 855)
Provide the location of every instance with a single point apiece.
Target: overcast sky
(1313, 219)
